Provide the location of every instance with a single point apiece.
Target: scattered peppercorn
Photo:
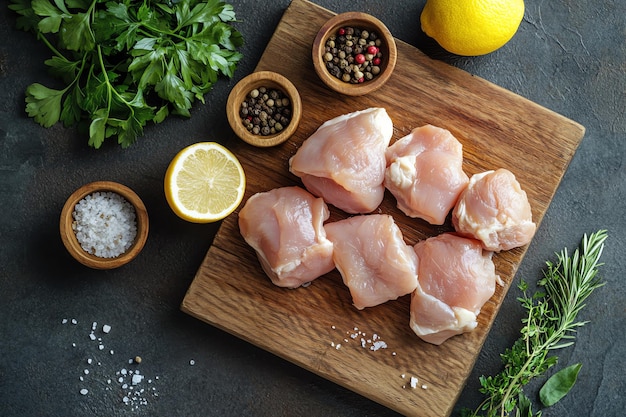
(353, 55)
(265, 111)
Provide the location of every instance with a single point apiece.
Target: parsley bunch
(127, 62)
(550, 324)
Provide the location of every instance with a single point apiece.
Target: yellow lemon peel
(472, 27)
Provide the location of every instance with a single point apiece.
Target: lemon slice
(204, 183)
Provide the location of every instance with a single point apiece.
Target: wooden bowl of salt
(104, 225)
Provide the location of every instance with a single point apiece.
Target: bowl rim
(68, 236)
(269, 79)
(362, 20)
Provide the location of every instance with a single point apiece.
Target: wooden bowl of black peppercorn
(264, 109)
(354, 53)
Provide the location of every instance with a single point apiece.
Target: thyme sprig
(551, 323)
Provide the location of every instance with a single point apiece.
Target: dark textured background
(569, 56)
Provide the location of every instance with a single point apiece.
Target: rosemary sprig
(550, 324)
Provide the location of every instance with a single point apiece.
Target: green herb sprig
(127, 62)
(551, 323)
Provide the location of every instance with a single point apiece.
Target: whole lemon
(472, 27)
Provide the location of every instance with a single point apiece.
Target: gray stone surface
(567, 56)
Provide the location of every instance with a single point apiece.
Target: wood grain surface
(305, 326)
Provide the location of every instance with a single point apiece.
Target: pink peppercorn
(376, 61)
(341, 31)
(372, 50)
(359, 58)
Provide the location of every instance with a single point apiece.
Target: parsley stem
(50, 46)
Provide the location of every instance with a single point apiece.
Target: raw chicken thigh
(343, 161)
(495, 210)
(425, 173)
(285, 228)
(456, 276)
(373, 259)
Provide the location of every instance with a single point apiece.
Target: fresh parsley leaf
(71, 113)
(44, 104)
(52, 16)
(76, 34)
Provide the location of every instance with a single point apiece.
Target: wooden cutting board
(316, 327)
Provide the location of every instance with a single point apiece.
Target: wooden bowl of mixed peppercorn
(104, 225)
(354, 53)
(264, 109)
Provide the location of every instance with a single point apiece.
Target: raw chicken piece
(285, 228)
(495, 210)
(343, 161)
(456, 277)
(425, 173)
(373, 259)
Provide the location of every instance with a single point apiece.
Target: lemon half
(204, 183)
(472, 27)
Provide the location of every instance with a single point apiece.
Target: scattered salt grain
(379, 344)
(84, 391)
(413, 382)
(192, 362)
(74, 321)
(64, 321)
(106, 328)
(424, 386)
(137, 379)
(105, 224)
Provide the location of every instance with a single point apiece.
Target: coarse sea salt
(105, 224)
(132, 389)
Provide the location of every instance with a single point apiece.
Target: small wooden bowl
(68, 236)
(238, 95)
(362, 21)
